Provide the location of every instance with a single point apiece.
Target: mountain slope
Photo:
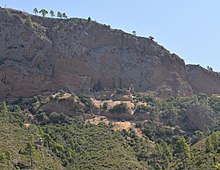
(76, 54)
(163, 139)
(67, 144)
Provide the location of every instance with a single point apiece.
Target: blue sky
(189, 28)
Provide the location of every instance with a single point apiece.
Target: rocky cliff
(76, 54)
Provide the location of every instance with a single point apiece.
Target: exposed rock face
(26, 64)
(202, 80)
(65, 106)
(76, 54)
(199, 117)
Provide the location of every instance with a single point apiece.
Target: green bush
(143, 108)
(218, 149)
(4, 108)
(85, 100)
(105, 106)
(120, 108)
(57, 117)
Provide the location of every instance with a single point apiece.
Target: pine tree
(183, 151)
(64, 15)
(52, 13)
(167, 150)
(59, 14)
(151, 38)
(134, 33)
(35, 10)
(30, 150)
(44, 12)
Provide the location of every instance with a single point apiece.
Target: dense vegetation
(169, 140)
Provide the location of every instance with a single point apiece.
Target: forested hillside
(74, 141)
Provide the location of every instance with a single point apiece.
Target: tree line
(44, 12)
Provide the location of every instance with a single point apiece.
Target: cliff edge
(80, 55)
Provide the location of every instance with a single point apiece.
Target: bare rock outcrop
(202, 80)
(76, 54)
(199, 117)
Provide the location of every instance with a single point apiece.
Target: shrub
(218, 149)
(42, 117)
(86, 100)
(120, 108)
(134, 33)
(143, 108)
(151, 38)
(105, 106)
(57, 117)
(4, 108)
(158, 166)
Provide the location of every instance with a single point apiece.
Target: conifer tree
(44, 12)
(183, 151)
(64, 15)
(35, 10)
(52, 13)
(30, 150)
(59, 14)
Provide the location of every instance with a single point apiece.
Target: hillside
(160, 135)
(79, 95)
(50, 56)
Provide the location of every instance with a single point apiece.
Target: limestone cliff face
(25, 59)
(76, 54)
(203, 80)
